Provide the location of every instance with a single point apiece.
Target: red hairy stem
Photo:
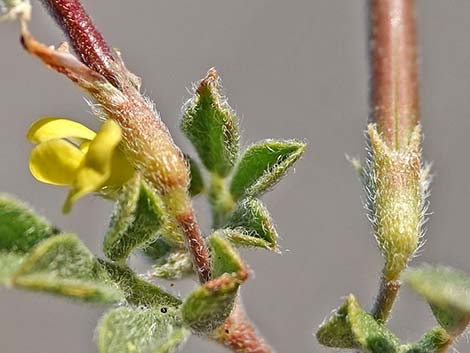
(196, 245)
(394, 81)
(239, 335)
(84, 37)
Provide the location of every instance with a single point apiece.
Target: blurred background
(290, 69)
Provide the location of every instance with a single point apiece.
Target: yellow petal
(55, 162)
(88, 180)
(121, 169)
(84, 146)
(46, 129)
(95, 168)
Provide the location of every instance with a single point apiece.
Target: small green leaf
(264, 164)
(207, 307)
(20, 228)
(252, 219)
(242, 239)
(137, 291)
(138, 216)
(196, 185)
(158, 251)
(225, 260)
(9, 265)
(447, 291)
(63, 265)
(176, 266)
(351, 327)
(211, 125)
(436, 340)
(126, 330)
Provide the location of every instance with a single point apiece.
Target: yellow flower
(68, 153)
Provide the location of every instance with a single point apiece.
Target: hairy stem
(394, 83)
(394, 95)
(83, 35)
(388, 291)
(221, 201)
(239, 335)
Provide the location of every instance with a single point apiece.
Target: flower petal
(95, 169)
(46, 129)
(55, 162)
(121, 169)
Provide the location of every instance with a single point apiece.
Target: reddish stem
(196, 245)
(394, 81)
(239, 335)
(84, 37)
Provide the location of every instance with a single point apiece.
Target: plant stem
(83, 35)
(239, 335)
(388, 291)
(196, 245)
(221, 201)
(394, 96)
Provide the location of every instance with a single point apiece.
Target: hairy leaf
(447, 291)
(224, 257)
(63, 265)
(137, 218)
(138, 291)
(252, 219)
(351, 327)
(126, 330)
(177, 265)
(196, 185)
(207, 307)
(9, 265)
(20, 228)
(436, 340)
(211, 125)
(263, 164)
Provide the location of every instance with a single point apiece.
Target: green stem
(388, 292)
(221, 201)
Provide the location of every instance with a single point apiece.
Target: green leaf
(158, 251)
(126, 330)
(211, 125)
(63, 265)
(9, 265)
(243, 239)
(207, 307)
(138, 216)
(264, 164)
(252, 219)
(20, 228)
(225, 259)
(176, 266)
(436, 340)
(351, 327)
(447, 291)
(137, 291)
(196, 185)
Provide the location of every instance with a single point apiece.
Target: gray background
(291, 69)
